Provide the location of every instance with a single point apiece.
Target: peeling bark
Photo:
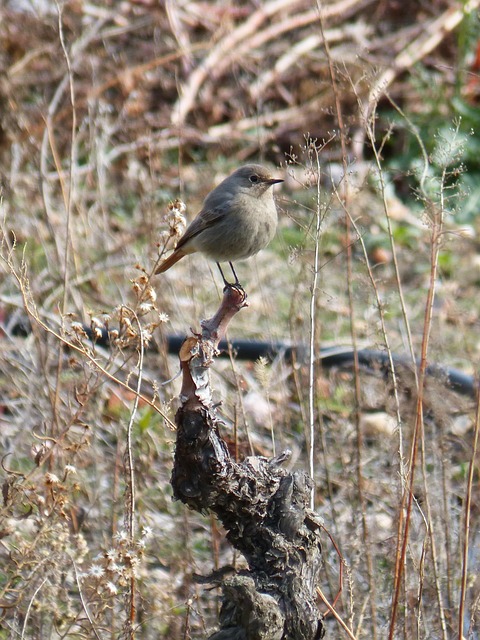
(262, 506)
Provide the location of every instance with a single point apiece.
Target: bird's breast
(246, 228)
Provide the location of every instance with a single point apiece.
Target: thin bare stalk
(67, 192)
(467, 516)
(130, 512)
(130, 469)
(82, 600)
(407, 499)
(336, 615)
(67, 200)
(313, 305)
(238, 387)
(29, 608)
(370, 130)
(432, 539)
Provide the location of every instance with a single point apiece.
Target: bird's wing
(206, 218)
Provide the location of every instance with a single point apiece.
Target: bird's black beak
(273, 181)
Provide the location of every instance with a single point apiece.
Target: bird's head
(253, 179)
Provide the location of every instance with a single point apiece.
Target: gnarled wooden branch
(262, 506)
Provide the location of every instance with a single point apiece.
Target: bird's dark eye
(254, 179)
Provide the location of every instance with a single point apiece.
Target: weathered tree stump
(262, 506)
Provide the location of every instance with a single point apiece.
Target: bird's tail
(170, 261)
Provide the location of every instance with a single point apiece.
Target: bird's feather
(206, 218)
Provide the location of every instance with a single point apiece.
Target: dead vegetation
(227, 77)
(109, 112)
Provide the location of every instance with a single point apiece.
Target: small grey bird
(237, 220)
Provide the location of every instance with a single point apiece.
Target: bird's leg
(237, 281)
(225, 281)
(236, 284)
